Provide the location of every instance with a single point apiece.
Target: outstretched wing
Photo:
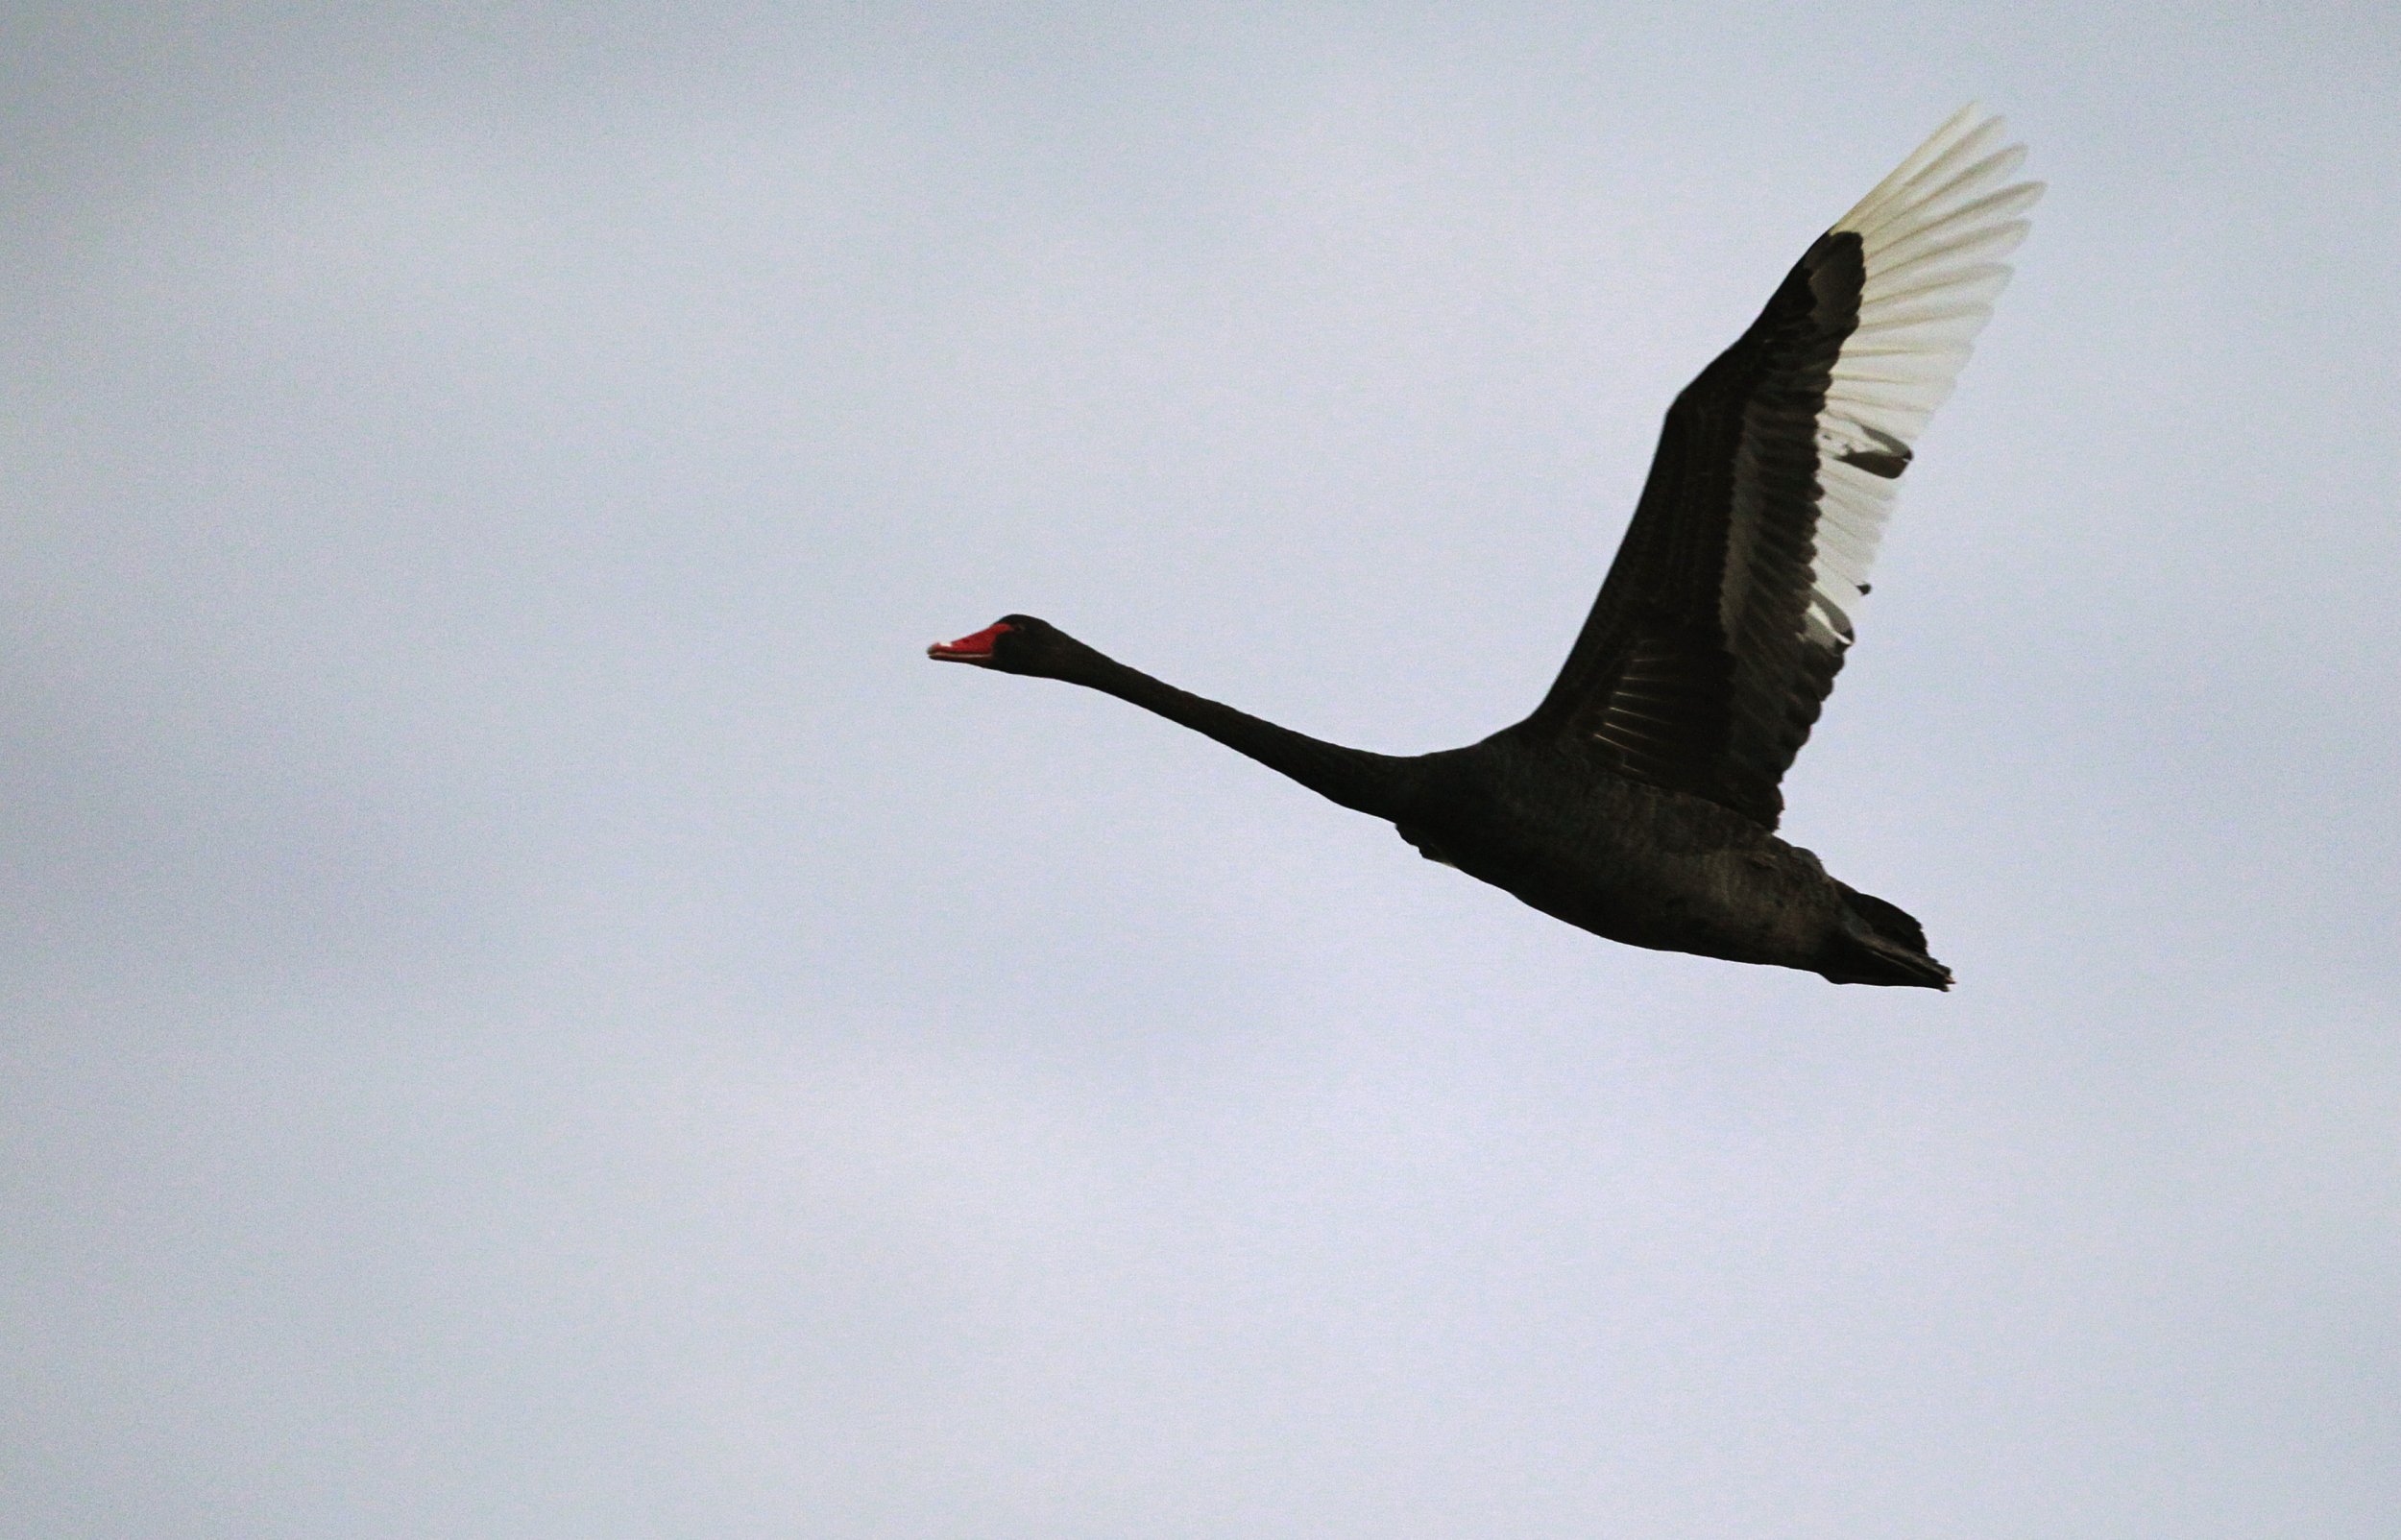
(1716, 637)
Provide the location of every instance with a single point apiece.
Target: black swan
(1640, 800)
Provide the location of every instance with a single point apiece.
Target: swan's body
(1639, 800)
(1655, 868)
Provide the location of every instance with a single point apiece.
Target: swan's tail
(1881, 942)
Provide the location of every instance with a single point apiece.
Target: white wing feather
(1932, 235)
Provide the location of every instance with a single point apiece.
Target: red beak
(974, 649)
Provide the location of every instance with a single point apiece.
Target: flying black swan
(1640, 800)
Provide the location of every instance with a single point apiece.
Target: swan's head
(1013, 644)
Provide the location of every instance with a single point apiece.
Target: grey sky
(531, 1010)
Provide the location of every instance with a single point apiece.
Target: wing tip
(1963, 157)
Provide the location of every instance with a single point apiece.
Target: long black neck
(1377, 785)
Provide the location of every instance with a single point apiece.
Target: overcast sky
(531, 1010)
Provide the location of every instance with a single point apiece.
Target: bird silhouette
(1639, 800)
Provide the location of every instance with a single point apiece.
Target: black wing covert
(1716, 637)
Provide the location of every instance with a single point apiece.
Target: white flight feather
(1931, 234)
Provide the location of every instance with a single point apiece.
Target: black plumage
(1639, 800)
